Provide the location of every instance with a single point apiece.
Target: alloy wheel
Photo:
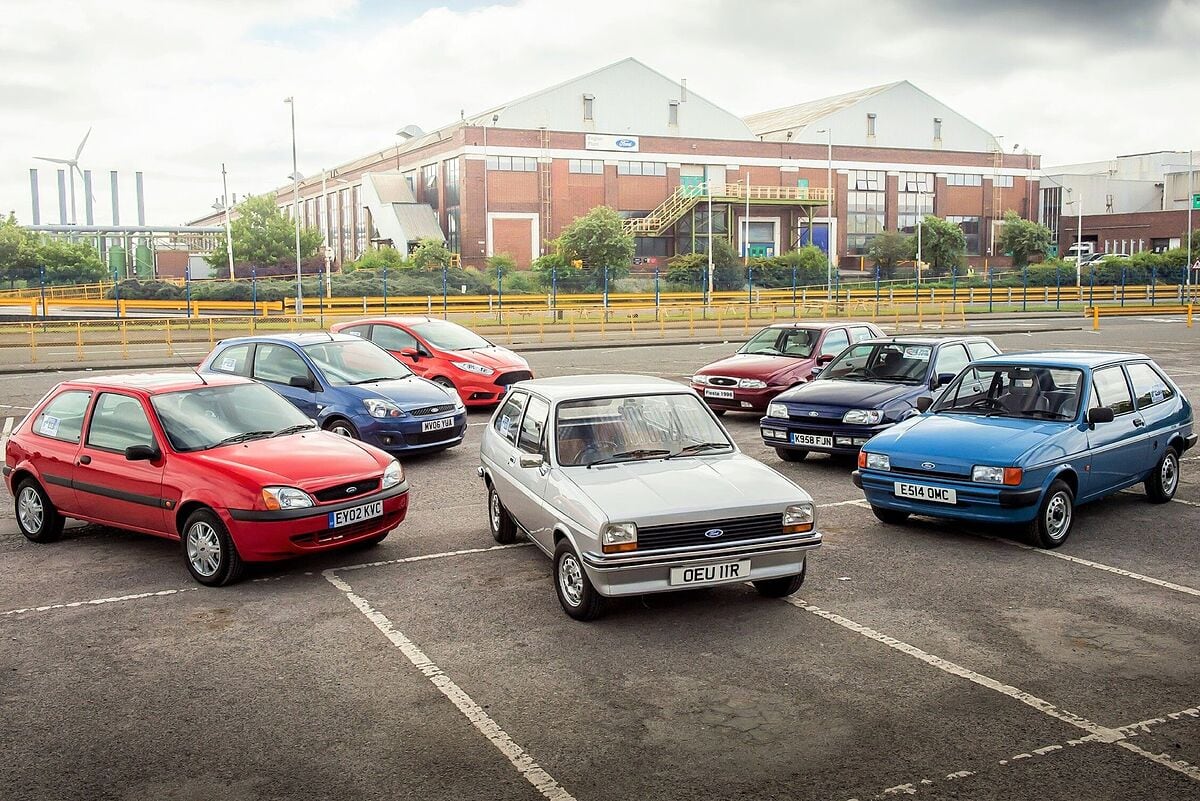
(203, 549)
(30, 510)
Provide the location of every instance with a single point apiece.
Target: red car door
(123, 492)
(396, 341)
(53, 444)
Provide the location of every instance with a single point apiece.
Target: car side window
(278, 363)
(1110, 389)
(533, 427)
(1149, 386)
(835, 342)
(234, 359)
(508, 419)
(359, 331)
(118, 421)
(62, 418)
(950, 359)
(860, 332)
(981, 350)
(391, 338)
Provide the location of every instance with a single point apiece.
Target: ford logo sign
(813, 414)
(713, 533)
(351, 490)
(626, 144)
(928, 465)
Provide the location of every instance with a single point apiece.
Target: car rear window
(62, 418)
(508, 419)
(1149, 386)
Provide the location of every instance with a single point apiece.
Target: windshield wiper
(626, 456)
(296, 429)
(380, 378)
(245, 436)
(699, 447)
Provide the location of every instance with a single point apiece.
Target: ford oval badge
(814, 414)
(928, 465)
(713, 533)
(625, 144)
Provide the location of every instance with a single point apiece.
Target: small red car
(447, 353)
(778, 357)
(221, 463)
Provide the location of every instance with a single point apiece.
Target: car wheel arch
(1068, 476)
(187, 509)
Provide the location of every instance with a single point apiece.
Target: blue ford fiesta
(1021, 439)
(867, 388)
(350, 387)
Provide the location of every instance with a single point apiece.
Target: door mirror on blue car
(302, 382)
(942, 379)
(1099, 414)
(923, 403)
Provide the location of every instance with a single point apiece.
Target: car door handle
(1138, 423)
(85, 460)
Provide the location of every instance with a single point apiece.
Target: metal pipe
(34, 200)
(141, 199)
(116, 202)
(125, 229)
(291, 101)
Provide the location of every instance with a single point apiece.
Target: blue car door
(1118, 449)
(276, 365)
(1155, 402)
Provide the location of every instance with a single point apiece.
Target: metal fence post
(1025, 288)
(1153, 282)
(750, 284)
(554, 288)
(876, 290)
(606, 292)
(385, 299)
(1057, 288)
(187, 288)
(1092, 288)
(117, 293)
(991, 289)
(42, 270)
(1122, 285)
(793, 290)
(445, 292)
(657, 293)
(254, 291)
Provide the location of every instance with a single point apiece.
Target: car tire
(442, 381)
(781, 587)
(891, 517)
(790, 455)
(504, 528)
(208, 550)
(342, 427)
(37, 518)
(578, 597)
(1055, 515)
(1164, 480)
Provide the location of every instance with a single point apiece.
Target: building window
(964, 179)
(452, 182)
(865, 204)
(673, 113)
(512, 163)
(870, 125)
(429, 185)
(360, 223)
(453, 225)
(914, 201)
(650, 247)
(410, 178)
(585, 166)
(1051, 210)
(937, 127)
(589, 108)
(1005, 181)
(867, 180)
(344, 224)
(970, 228)
(641, 168)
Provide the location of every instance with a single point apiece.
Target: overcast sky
(175, 87)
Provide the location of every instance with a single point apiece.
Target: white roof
(801, 114)
(572, 387)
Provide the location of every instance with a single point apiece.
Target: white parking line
(97, 601)
(5, 430)
(424, 557)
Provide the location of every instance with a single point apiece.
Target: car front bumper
(743, 400)
(975, 502)
(642, 573)
(847, 439)
(405, 435)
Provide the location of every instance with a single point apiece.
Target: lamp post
(920, 225)
(1078, 201)
(228, 224)
(295, 176)
(829, 235)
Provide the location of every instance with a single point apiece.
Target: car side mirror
(530, 460)
(825, 358)
(816, 372)
(142, 453)
(410, 353)
(1100, 414)
(923, 403)
(942, 379)
(301, 382)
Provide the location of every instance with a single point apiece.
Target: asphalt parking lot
(931, 660)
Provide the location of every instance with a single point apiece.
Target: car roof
(1065, 358)
(819, 324)
(923, 340)
(408, 320)
(572, 387)
(299, 338)
(156, 383)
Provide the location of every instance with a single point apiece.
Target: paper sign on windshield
(50, 426)
(917, 352)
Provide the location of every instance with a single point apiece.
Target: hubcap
(30, 511)
(342, 431)
(570, 579)
(1058, 516)
(1170, 474)
(203, 549)
(494, 510)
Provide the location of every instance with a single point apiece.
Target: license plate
(355, 514)
(437, 425)
(923, 492)
(710, 574)
(812, 440)
(726, 394)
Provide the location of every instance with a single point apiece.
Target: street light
(295, 176)
(920, 225)
(829, 229)
(223, 205)
(1078, 201)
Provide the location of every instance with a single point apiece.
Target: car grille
(721, 381)
(431, 437)
(803, 414)
(917, 471)
(343, 492)
(511, 378)
(684, 534)
(428, 410)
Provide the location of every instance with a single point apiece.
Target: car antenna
(177, 355)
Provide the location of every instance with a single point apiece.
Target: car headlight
(798, 517)
(863, 417)
(471, 367)
(874, 461)
(700, 379)
(617, 537)
(285, 498)
(986, 474)
(393, 475)
(777, 410)
(378, 407)
(751, 383)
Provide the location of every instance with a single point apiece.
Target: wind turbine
(72, 168)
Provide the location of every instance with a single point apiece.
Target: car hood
(753, 365)
(690, 489)
(850, 394)
(311, 460)
(955, 442)
(495, 357)
(407, 393)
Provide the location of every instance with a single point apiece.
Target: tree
(692, 268)
(375, 259)
(263, 236)
(431, 254)
(598, 240)
(1022, 238)
(18, 252)
(943, 245)
(890, 248)
(69, 262)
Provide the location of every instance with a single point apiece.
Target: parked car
(631, 486)
(869, 387)
(778, 357)
(221, 463)
(350, 387)
(1022, 439)
(446, 353)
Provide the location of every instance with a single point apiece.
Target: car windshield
(888, 362)
(212, 416)
(355, 362)
(1042, 393)
(608, 430)
(449, 336)
(798, 342)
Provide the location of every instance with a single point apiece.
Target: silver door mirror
(530, 460)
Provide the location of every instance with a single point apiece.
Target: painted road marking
(426, 557)
(98, 601)
(533, 773)
(5, 430)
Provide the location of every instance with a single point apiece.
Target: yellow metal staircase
(684, 198)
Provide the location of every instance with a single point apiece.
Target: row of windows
(964, 179)
(641, 168)
(512, 163)
(867, 180)
(586, 166)
(1003, 180)
(916, 182)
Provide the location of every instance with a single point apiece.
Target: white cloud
(175, 88)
